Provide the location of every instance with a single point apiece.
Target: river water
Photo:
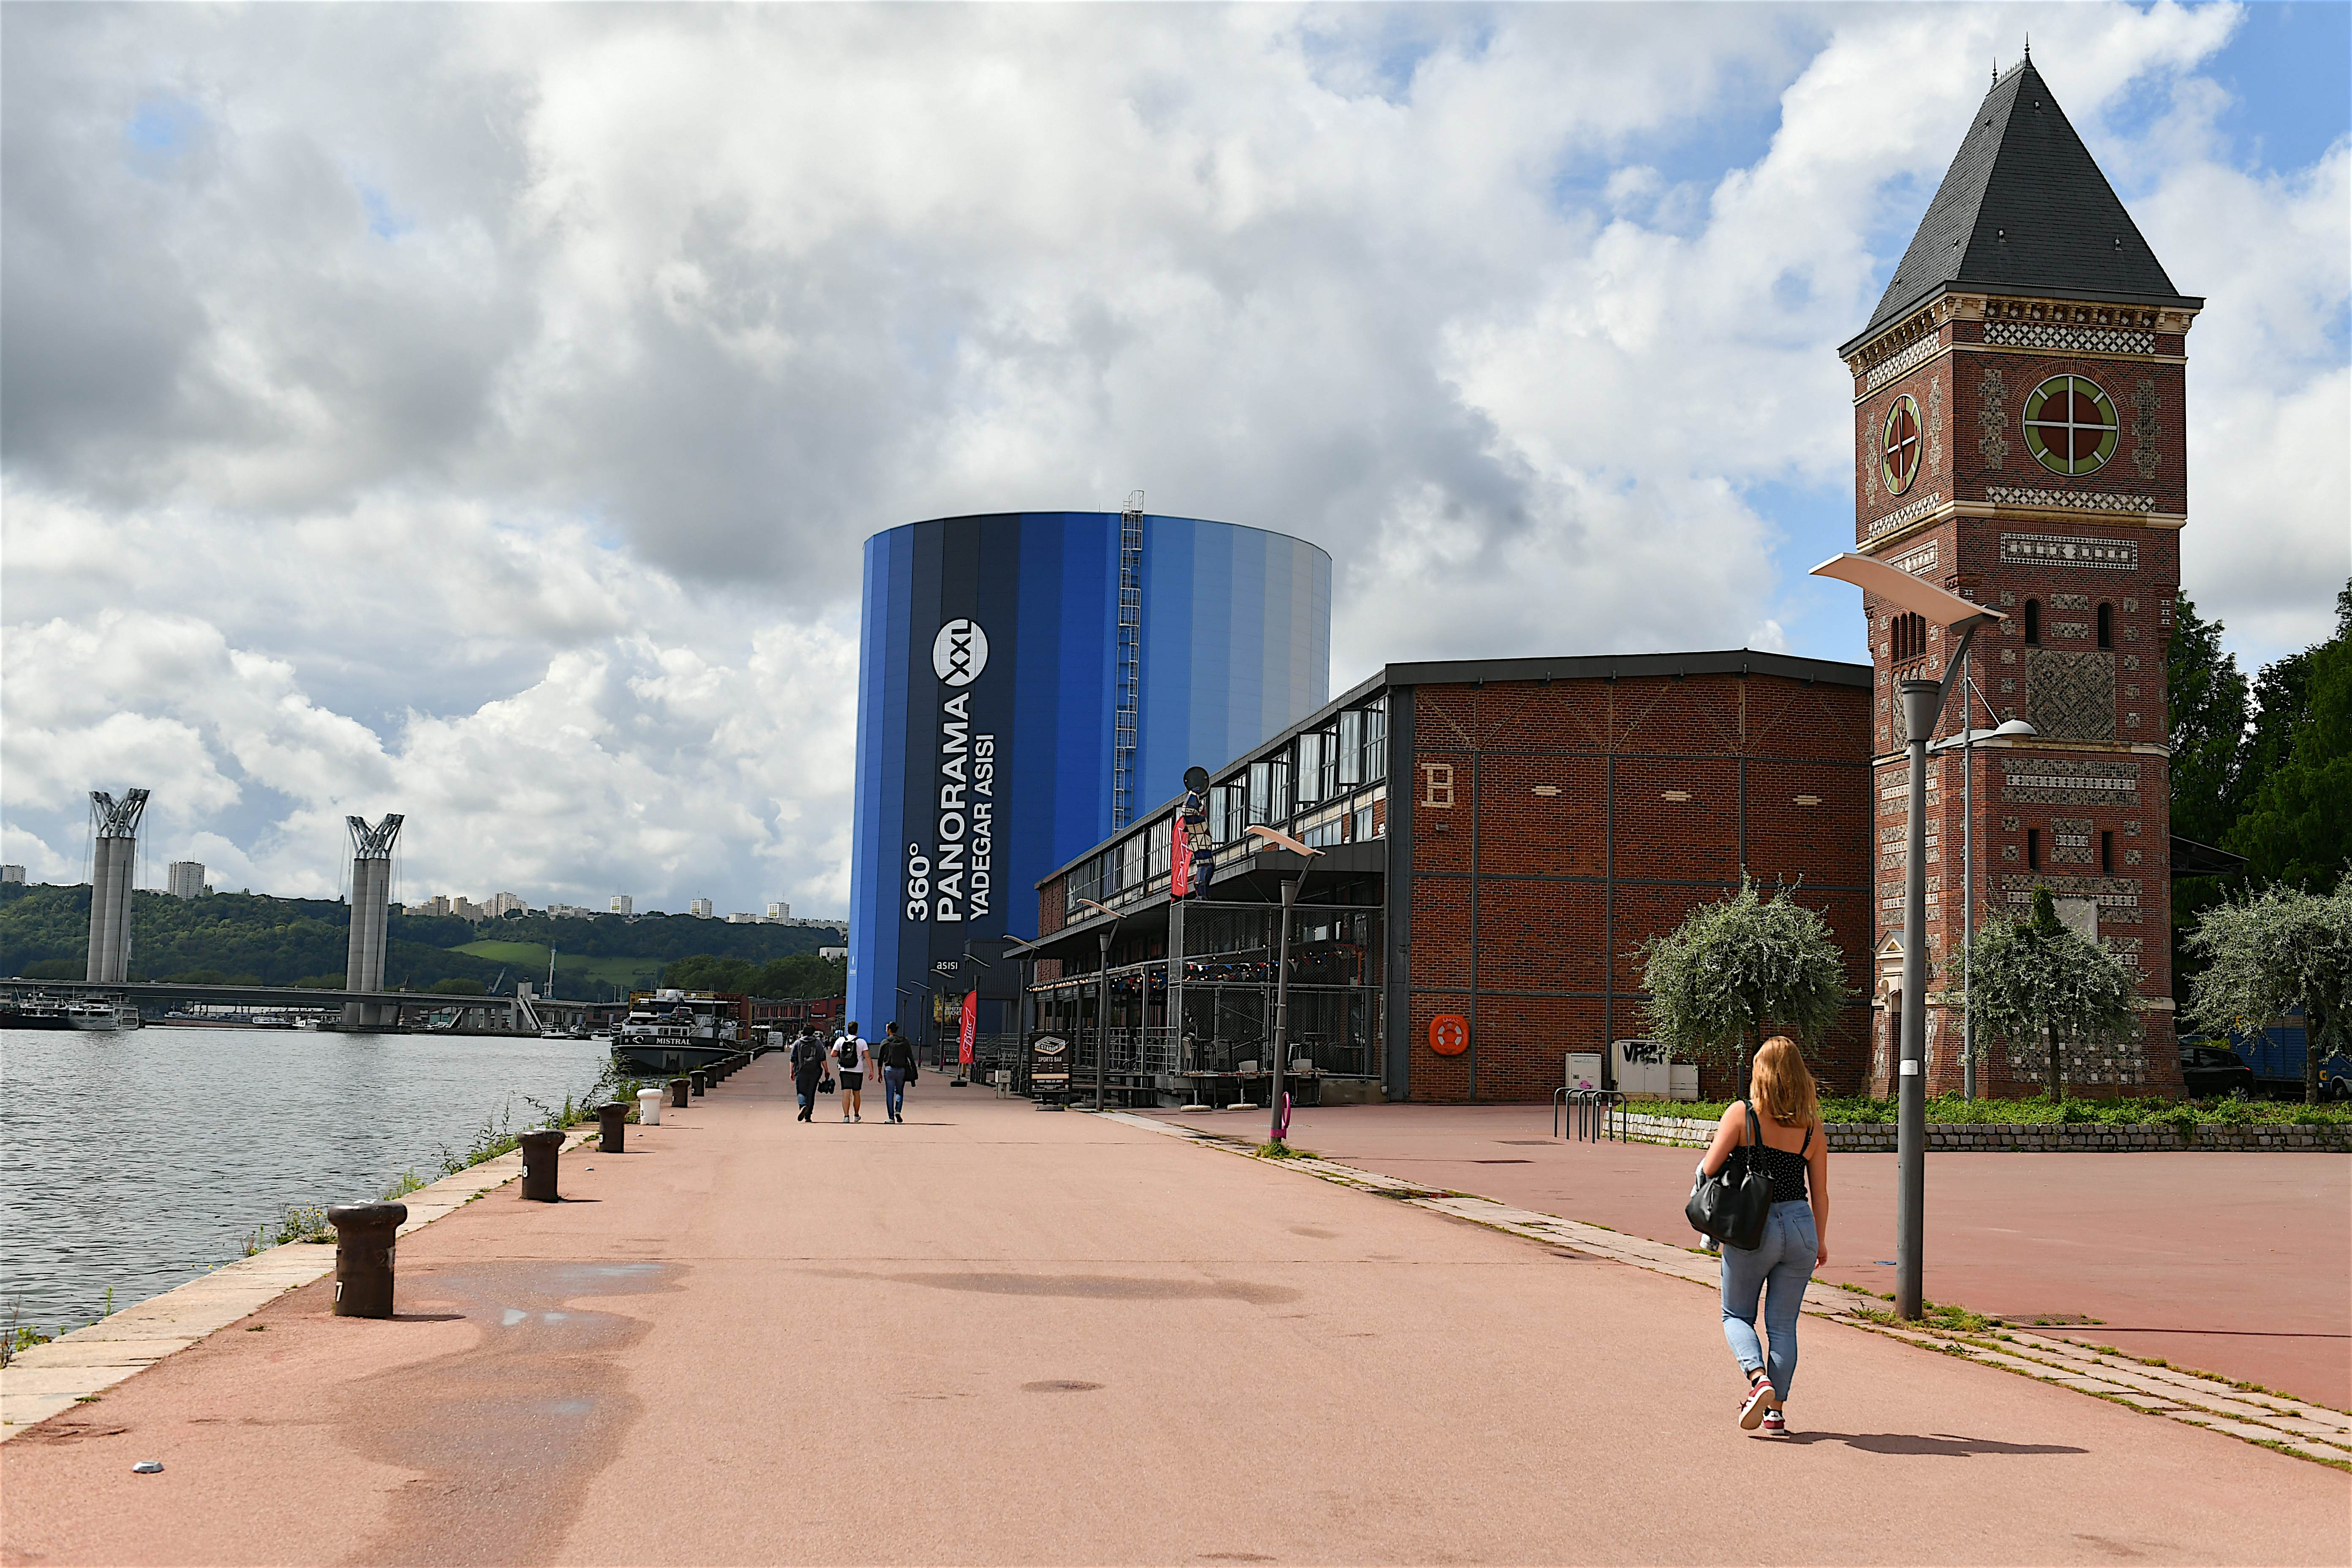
(138, 1161)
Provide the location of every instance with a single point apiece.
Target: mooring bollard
(701, 1083)
(364, 1235)
(649, 1107)
(540, 1153)
(679, 1088)
(612, 1127)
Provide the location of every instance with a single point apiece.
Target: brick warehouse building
(2019, 440)
(1499, 838)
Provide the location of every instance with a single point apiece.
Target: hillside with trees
(254, 939)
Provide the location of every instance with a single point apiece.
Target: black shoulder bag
(1732, 1205)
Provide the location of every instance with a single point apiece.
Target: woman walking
(850, 1057)
(1781, 1125)
(898, 1060)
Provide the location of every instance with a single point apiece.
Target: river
(138, 1161)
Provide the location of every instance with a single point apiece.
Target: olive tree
(1734, 971)
(2038, 981)
(2271, 953)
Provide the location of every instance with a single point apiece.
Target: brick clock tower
(2018, 440)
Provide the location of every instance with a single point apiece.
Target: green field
(528, 960)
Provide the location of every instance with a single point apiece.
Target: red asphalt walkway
(998, 1335)
(2237, 1264)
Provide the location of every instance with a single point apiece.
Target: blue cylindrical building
(1028, 683)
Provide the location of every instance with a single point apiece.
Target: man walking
(898, 1058)
(808, 1066)
(850, 1061)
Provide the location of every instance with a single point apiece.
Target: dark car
(2207, 1070)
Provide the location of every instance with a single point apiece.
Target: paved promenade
(996, 1335)
(2239, 1264)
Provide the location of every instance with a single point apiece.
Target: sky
(477, 411)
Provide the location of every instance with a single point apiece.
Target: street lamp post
(1102, 996)
(1920, 701)
(1971, 697)
(1278, 1125)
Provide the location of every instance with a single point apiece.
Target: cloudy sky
(477, 411)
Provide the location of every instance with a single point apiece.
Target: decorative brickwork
(2068, 781)
(2069, 549)
(1935, 426)
(2118, 897)
(1992, 416)
(1903, 363)
(2143, 429)
(2068, 501)
(2071, 696)
(1912, 513)
(2051, 335)
(1920, 563)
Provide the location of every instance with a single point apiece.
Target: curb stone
(45, 1380)
(2027, 1137)
(2298, 1426)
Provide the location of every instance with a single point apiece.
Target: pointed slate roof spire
(2024, 209)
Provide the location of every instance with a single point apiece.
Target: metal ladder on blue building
(1130, 660)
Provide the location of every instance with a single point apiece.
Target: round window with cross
(1899, 445)
(2070, 426)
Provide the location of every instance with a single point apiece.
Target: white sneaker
(1759, 1399)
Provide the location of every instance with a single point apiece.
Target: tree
(2272, 953)
(2036, 982)
(1735, 970)
(2296, 827)
(2206, 722)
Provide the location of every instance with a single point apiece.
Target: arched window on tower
(2107, 626)
(2032, 623)
(1907, 637)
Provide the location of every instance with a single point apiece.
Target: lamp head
(2015, 727)
(1098, 909)
(1902, 590)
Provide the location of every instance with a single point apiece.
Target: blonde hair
(1783, 1085)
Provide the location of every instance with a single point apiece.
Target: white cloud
(481, 420)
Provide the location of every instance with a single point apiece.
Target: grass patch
(1275, 1149)
(300, 1222)
(401, 1185)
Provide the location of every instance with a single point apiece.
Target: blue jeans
(1779, 1267)
(894, 1091)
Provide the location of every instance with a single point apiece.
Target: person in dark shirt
(808, 1066)
(898, 1060)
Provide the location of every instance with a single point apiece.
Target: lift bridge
(365, 1005)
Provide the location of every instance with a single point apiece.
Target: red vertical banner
(971, 1027)
(1180, 865)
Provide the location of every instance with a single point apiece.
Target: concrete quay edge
(44, 1380)
(2298, 1426)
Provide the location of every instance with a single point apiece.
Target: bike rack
(1588, 1114)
